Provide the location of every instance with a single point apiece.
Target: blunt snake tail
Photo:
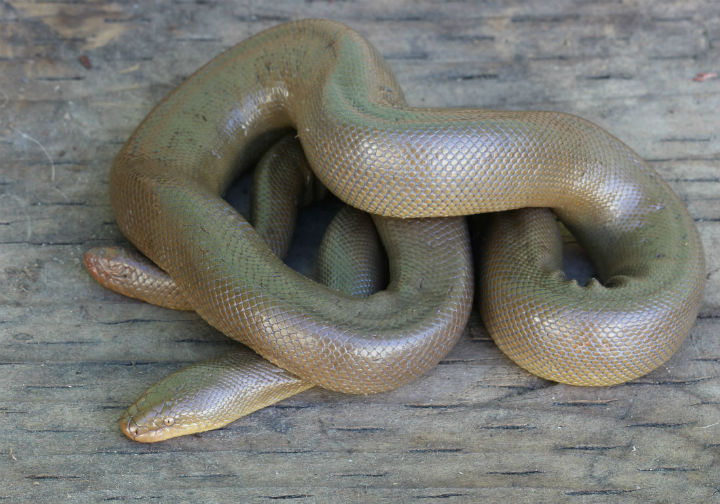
(417, 171)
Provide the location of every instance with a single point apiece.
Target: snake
(417, 172)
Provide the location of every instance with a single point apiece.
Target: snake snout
(106, 264)
(147, 425)
(92, 259)
(129, 427)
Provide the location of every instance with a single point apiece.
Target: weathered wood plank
(75, 78)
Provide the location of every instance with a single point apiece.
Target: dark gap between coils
(312, 221)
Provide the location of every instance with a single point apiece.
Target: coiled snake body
(403, 165)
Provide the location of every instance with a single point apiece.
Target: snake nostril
(132, 427)
(129, 427)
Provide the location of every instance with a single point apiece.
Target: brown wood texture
(76, 78)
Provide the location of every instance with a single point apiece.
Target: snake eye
(169, 421)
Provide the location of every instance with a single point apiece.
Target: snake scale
(416, 171)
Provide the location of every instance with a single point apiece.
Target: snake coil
(407, 167)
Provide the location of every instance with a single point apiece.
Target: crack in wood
(357, 429)
(598, 492)
(286, 497)
(517, 473)
(685, 139)
(548, 18)
(468, 39)
(439, 496)
(209, 475)
(584, 403)
(668, 469)
(53, 477)
(435, 450)
(414, 55)
(53, 386)
(435, 406)
(292, 406)
(143, 321)
(508, 427)
(283, 452)
(451, 362)
(476, 76)
(61, 78)
(590, 448)
(361, 475)
(670, 383)
(659, 425)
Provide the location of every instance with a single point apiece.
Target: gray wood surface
(76, 78)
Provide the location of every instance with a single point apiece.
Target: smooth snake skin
(376, 153)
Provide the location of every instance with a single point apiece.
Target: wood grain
(75, 78)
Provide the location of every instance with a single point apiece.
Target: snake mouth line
(151, 432)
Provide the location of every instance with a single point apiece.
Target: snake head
(107, 265)
(161, 413)
(208, 395)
